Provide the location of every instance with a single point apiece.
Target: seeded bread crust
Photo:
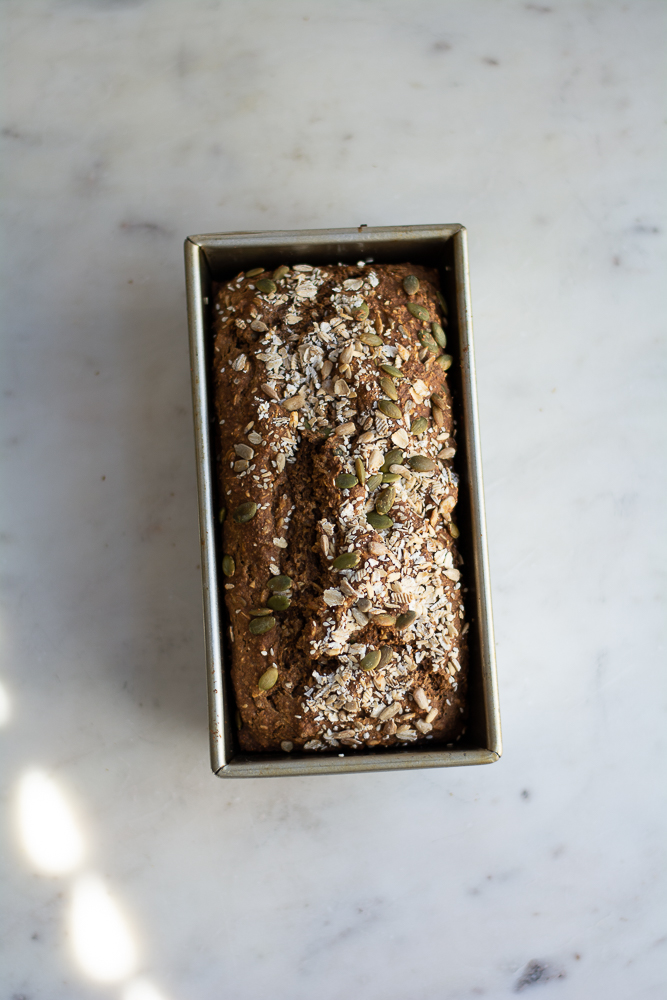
(299, 402)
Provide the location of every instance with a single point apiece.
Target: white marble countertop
(133, 873)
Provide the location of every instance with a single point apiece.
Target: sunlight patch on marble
(103, 943)
(48, 829)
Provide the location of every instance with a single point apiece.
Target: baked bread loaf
(335, 440)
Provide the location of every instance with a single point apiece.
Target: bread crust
(297, 383)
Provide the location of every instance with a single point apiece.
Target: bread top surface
(319, 374)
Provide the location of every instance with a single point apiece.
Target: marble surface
(130, 871)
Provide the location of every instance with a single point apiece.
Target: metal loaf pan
(219, 257)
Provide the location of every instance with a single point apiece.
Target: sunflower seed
(385, 501)
(258, 626)
(238, 364)
(287, 746)
(359, 617)
(278, 584)
(364, 604)
(379, 521)
(271, 392)
(411, 284)
(280, 461)
(268, 679)
(375, 460)
(346, 560)
(389, 712)
(345, 430)
(447, 453)
(245, 512)
(421, 463)
(423, 726)
(258, 326)
(266, 285)
(419, 426)
(438, 416)
(388, 388)
(401, 470)
(259, 612)
(420, 698)
(280, 272)
(360, 470)
(341, 388)
(419, 312)
(439, 400)
(241, 465)
(390, 409)
(406, 619)
(346, 354)
(228, 566)
(438, 335)
(453, 530)
(445, 361)
(345, 481)
(244, 451)
(433, 714)
(373, 482)
(390, 370)
(370, 339)
(370, 660)
(293, 403)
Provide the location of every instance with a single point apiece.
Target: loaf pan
(219, 257)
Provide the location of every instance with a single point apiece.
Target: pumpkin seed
(268, 679)
(453, 530)
(445, 361)
(280, 272)
(266, 285)
(386, 499)
(389, 409)
(419, 425)
(245, 512)
(390, 477)
(228, 566)
(370, 660)
(259, 612)
(361, 312)
(406, 619)
(429, 343)
(254, 271)
(360, 470)
(411, 284)
(419, 312)
(394, 372)
(279, 602)
(258, 626)
(384, 619)
(223, 514)
(422, 463)
(441, 300)
(278, 584)
(393, 457)
(373, 482)
(438, 335)
(293, 403)
(370, 339)
(346, 560)
(379, 521)
(346, 481)
(388, 388)
(386, 655)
